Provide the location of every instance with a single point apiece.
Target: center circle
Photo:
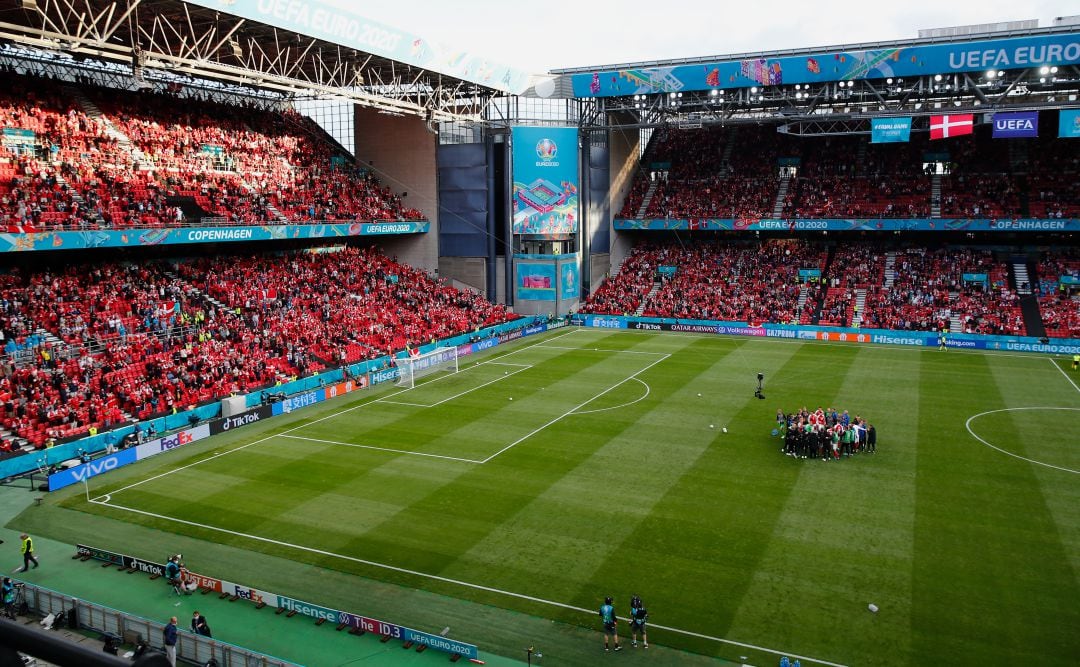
(971, 419)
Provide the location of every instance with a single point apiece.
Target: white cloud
(552, 34)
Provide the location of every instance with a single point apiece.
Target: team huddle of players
(824, 434)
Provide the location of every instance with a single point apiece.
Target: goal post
(441, 359)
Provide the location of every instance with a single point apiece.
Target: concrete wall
(471, 271)
(623, 148)
(401, 151)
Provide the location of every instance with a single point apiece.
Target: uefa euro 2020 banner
(1069, 123)
(890, 61)
(545, 163)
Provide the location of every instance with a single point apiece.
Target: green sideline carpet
(609, 473)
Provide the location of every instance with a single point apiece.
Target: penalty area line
(456, 582)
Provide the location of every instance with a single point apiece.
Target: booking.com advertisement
(545, 164)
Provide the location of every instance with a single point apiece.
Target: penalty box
(486, 408)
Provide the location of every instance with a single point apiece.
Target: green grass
(972, 555)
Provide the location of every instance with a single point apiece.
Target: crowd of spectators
(1059, 292)
(749, 282)
(760, 281)
(142, 340)
(735, 171)
(229, 164)
(929, 289)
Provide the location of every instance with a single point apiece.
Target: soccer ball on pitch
(725, 429)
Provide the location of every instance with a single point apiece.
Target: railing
(130, 628)
(204, 222)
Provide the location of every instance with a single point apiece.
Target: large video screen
(545, 163)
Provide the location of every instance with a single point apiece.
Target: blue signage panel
(890, 130)
(894, 61)
(1069, 123)
(536, 281)
(337, 25)
(83, 472)
(848, 224)
(114, 238)
(569, 285)
(545, 163)
(1016, 125)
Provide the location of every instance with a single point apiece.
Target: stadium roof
(809, 51)
(307, 48)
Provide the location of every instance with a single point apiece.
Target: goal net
(443, 359)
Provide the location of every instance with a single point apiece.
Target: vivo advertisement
(890, 130)
(115, 238)
(847, 224)
(535, 282)
(1016, 125)
(545, 166)
(275, 601)
(339, 25)
(894, 61)
(82, 473)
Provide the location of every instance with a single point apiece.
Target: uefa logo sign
(546, 149)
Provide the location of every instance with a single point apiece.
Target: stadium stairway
(641, 306)
(646, 200)
(725, 157)
(781, 196)
(1022, 274)
(935, 196)
(142, 160)
(890, 269)
(860, 307)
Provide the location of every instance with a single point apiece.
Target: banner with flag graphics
(955, 125)
(1016, 125)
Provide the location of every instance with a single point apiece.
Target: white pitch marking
(458, 582)
(967, 425)
(598, 349)
(381, 449)
(574, 409)
(624, 405)
(1062, 370)
(315, 421)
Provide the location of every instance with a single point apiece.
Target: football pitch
(555, 470)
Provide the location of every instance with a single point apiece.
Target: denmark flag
(943, 127)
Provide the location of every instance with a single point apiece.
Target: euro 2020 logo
(546, 149)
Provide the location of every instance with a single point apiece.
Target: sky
(538, 36)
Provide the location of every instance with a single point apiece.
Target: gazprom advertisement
(890, 130)
(893, 61)
(128, 238)
(545, 163)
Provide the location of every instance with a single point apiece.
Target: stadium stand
(95, 345)
(139, 160)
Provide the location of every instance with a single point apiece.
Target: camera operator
(7, 593)
(172, 573)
